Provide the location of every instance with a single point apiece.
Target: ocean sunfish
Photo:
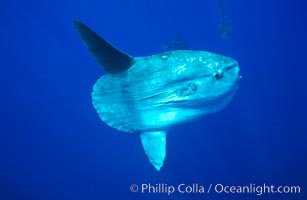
(148, 95)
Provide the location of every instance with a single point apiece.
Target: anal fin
(154, 144)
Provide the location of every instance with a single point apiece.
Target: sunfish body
(149, 95)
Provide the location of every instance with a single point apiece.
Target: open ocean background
(53, 146)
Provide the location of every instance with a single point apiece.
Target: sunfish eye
(218, 75)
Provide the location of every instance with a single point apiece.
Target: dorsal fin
(108, 57)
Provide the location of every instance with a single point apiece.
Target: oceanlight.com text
(257, 189)
(219, 188)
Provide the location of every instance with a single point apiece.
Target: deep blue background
(54, 146)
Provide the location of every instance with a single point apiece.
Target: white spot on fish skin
(181, 69)
(219, 71)
(164, 57)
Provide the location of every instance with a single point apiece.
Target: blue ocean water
(54, 146)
